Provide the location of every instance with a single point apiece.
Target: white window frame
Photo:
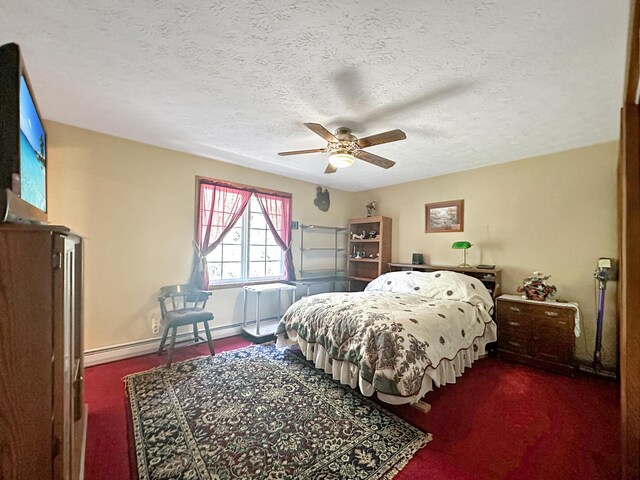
(245, 263)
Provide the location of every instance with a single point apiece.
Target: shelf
(323, 227)
(268, 287)
(314, 280)
(267, 328)
(326, 259)
(366, 220)
(322, 270)
(364, 270)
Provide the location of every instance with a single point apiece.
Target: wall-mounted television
(23, 144)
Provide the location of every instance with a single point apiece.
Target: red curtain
(220, 208)
(277, 212)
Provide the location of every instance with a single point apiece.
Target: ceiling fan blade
(320, 130)
(300, 152)
(374, 159)
(330, 169)
(385, 137)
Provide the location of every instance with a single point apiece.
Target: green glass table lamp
(462, 246)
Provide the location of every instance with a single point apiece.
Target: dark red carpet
(500, 421)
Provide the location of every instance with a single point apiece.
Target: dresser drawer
(515, 323)
(512, 320)
(513, 308)
(516, 342)
(514, 327)
(562, 315)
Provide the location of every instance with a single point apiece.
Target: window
(243, 234)
(249, 252)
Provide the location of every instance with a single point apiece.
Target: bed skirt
(349, 374)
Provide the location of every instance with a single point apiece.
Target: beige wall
(555, 213)
(134, 205)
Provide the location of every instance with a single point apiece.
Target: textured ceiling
(472, 83)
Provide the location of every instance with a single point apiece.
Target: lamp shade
(341, 159)
(461, 245)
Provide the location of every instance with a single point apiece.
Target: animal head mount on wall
(322, 201)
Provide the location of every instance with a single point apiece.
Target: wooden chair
(186, 308)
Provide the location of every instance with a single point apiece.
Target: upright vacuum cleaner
(603, 274)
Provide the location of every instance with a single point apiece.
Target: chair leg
(209, 340)
(164, 339)
(172, 344)
(196, 339)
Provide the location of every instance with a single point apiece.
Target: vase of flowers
(536, 287)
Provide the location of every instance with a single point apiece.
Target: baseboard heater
(112, 353)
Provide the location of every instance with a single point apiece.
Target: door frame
(629, 232)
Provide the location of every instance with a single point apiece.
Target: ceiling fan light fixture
(341, 159)
(344, 147)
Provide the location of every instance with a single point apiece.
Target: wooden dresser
(42, 416)
(540, 334)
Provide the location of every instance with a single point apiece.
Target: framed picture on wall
(444, 216)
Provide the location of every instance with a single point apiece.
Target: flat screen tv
(23, 144)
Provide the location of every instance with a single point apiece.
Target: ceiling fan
(343, 147)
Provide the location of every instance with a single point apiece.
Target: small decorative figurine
(355, 236)
(371, 208)
(373, 234)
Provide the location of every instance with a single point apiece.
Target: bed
(407, 333)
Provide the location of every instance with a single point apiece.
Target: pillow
(398, 282)
(440, 285)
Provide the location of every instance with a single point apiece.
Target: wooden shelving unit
(363, 270)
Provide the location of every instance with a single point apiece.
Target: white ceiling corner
(472, 83)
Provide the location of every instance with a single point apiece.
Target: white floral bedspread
(402, 324)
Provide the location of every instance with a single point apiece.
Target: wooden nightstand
(540, 334)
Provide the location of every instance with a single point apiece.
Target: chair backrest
(182, 296)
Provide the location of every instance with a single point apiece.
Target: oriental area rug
(261, 413)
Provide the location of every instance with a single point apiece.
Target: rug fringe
(405, 457)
